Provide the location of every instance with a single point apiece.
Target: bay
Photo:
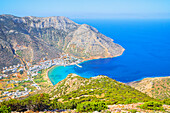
(147, 51)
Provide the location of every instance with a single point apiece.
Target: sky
(88, 8)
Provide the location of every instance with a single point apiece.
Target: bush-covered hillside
(86, 95)
(158, 87)
(100, 88)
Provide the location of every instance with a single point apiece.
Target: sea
(147, 51)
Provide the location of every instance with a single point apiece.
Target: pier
(78, 65)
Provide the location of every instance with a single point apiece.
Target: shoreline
(57, 66)
(96, 58)
(138, 80)
(156, 77)
(99, 57)
(48, 71)
(54, 67)
(84, 60)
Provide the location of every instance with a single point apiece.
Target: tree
(21, 72)
(56, 105)
(5, 109)
(166, 101)
(152, 106)
(91, 106)
(38, 102)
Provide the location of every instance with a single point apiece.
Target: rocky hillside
(76, 88)
(33, 38)
(158, 87)
(78, 94)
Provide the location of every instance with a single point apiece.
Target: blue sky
(88, 8)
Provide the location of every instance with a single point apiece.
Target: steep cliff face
(87, 42)
(33, 38)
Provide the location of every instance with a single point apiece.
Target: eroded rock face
(87, 42)
(6, 54)
(37, 37)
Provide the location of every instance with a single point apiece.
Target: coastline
(84, 60)
(99, 57)
(96, 58)
(48, 71)
(156, 77)
(54, 67)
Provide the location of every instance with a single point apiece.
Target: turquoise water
(147, 54)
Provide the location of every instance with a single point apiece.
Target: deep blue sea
(147, 51)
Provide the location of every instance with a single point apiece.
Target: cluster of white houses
(62, 61)
(16, 94)
(13, 69)
(3, 76)
(32, 70)
(20, 81)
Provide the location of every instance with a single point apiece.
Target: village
(18, 81)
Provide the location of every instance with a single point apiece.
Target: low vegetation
(40, 102)
(5, 109)
(93, 94)
(100, 88)
(152, 106)
(37, 102)
(158, 87)
(91, 106)
(166, 101)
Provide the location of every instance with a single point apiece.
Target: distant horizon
(86, 9)
(121, 18)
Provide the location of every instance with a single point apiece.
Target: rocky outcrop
(33, 38)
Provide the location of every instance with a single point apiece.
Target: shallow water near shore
(147, 51)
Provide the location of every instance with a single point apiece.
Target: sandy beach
(48, 71)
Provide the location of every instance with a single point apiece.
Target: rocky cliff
(33, 38)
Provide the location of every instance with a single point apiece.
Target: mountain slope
(82, 94)
(87, 42)
(33, 38)
(158, 87)
(99, 88)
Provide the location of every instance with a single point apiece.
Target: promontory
(32, 38)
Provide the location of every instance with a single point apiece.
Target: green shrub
(5, 109)
(38, 102)
(133, 110)
(13, 104)
(130, 101)
(91, 106)
(56, 105)
(21, 72)
(151, 106)
(166, 101)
